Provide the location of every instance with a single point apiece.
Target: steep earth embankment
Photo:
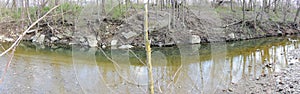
(166, 27)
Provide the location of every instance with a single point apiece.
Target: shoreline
(284, 81)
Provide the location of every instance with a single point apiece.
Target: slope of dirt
(167, 27)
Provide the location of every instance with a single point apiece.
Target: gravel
(285, 81)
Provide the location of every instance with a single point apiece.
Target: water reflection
(186, 68)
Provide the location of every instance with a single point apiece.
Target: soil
(181, 28)
(284, 82)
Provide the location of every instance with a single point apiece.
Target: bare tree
(244, 3)
(297, 13)
(231, 5)
(275, 6)
(250, 5)
(56, 2)
(286, 8)
(103, 7)
(255, 14)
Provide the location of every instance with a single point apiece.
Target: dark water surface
(204, 68)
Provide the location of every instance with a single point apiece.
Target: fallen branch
(234, 23)
(7, 66)
(16, 43)
(2, 47)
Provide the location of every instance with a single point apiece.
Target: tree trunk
(244, 3)
(148, 52)
(297, 13)
(57, 2)
(255, 15)
(250, 5)
(103, 7)
(14, 4)
(275, 7)
(286, 7)
(265, 5)
(231, 3)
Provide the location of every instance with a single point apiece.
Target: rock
(39, 38)
(231, 36)
(195, 39)
(59, 36)
(107, 33)
(81, 39)
(68, 33)
(53, 39)
(92, 41)
(72, 43)
(129, 34)
(8, 39)
(230, 89)
(160, 44)
(279, 32)
(103, 46)
(113, 42)
(126, 47)
(1, 37)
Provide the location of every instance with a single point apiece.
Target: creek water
(205, 68)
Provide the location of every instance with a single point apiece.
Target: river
(205, 68)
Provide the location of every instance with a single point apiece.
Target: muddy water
(205, 68)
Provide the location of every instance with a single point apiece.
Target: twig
(76, 76)
(2, 47)
(7, 66)
(16, 43)
(137, 57)
(117, 66)
(173, 78)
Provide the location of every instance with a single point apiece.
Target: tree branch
(16, 43)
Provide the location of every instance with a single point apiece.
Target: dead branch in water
(2, 47)
(16, 43)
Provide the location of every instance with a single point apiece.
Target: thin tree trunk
(285, 10)
(255, 15)
(265, 5)
(56, 2)
(296, 16)
(23, 12)
(275, 7)
(27, 10)
(244, 3)
(14, 4)
(103, 7)
(250, 5)
(148, 51)
(231, 3)
(7, 4)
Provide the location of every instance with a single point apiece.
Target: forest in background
(29, 10)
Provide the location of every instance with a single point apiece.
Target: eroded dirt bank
(166, 27)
